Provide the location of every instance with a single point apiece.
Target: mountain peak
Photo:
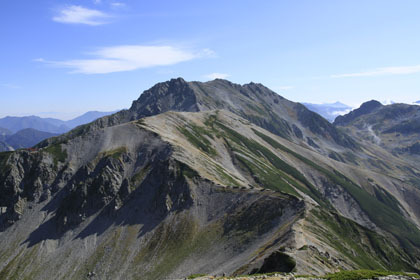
(253, 101)
(364, 109)
(370, 105)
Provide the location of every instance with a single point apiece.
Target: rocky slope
(395, 128)
(222, 189)
(356, 275)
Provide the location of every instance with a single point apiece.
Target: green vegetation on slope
(172, 243)
(364, 247)
(187, 171)
(57, 152)
(115, 153)
(281, 176)
(386, 198)
(4, 156)
(363, 274)
(196, 135)
(389, 218)
(268, 177)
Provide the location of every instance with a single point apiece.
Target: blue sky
(63, 58)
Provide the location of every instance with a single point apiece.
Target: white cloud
(213, 76)
(81, 15)
(208, 53)
(399, 70)
(128, 58)
(340, 113)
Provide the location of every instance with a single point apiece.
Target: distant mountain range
(25, 132)
(24, 138)
(329, 110)
(51, 125)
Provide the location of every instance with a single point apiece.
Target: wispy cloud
(213, 76)
(399, 70)
(208, 53)
(340, 113)
(81, 15)
(128, 58)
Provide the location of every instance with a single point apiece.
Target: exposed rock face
(211, 191)
(282, 276)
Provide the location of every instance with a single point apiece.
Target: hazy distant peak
(51, 125)
(339, 104)
(329, 110)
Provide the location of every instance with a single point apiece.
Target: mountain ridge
(184, 183)
(254, 102)
(365, 108)
(51, 125)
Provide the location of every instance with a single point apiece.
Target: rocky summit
(211, 178)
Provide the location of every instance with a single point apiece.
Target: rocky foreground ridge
(292, 277)
(213, 178)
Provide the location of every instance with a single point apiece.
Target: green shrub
(57, 152)
(362, 274)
